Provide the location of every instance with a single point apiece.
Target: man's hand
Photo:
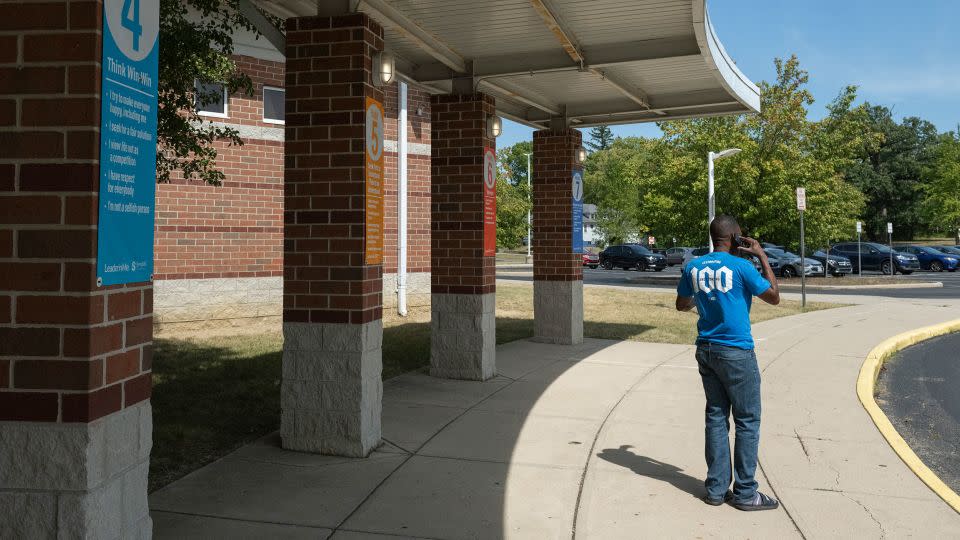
(771, 295)
(753, 247)
(685, 303)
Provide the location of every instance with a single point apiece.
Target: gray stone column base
(463, 340)
(331, 394)
(558, 312)
(77, 480)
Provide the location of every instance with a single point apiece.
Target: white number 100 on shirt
(708, 280)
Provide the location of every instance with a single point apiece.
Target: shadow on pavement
(652, 468)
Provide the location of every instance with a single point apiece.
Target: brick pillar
(463, 280)
(75, 420)
(332, 316)
(557, 270)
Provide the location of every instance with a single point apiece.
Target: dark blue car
(932, 259)
(949, 250)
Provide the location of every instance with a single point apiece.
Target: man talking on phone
(721, 285)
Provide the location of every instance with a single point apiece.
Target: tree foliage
(601, 138)
(513, 194)
(942, 189)
(196, 41)
(659, 186)
(891, 173)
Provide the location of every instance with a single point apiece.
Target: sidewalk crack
(883, 532)
(802, 445)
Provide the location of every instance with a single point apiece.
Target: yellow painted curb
(865, 390)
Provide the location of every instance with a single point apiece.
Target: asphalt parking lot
(599, 276)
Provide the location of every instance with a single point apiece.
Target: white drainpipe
(402, 203)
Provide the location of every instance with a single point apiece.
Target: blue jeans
(731, 382)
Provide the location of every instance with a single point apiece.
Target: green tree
(601, 138)
(611, 181)
(660, 186)
(891, 174)
(196, 42)
(513, 194)
(941, 191)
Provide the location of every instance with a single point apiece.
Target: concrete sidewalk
(602, 440)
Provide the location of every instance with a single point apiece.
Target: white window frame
(226, 102)
(263, 102)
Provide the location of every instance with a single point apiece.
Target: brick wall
(553, 164)
(325, 278)
(233, 230)
(418, 180)
(459, 137)
(69, 351)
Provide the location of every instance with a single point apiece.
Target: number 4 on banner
(131, 21)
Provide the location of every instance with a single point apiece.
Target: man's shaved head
(722, 228)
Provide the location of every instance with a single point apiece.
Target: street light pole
(711, 204)
(529, 216)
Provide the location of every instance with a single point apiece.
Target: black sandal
(759, 502)
(717, 502)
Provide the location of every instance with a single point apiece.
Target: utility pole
(711, 203)
(801, 207)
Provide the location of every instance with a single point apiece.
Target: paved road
(918, 392)
(950, 280)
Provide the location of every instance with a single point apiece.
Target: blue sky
(903, 55)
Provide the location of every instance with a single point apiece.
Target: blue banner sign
(577, 205)
(128, 141)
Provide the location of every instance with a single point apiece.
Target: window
(273, 105)
(211, 99)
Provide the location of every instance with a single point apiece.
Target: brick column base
(331, 388)
(82, 480)
(557, 270)
(463, 338)
(463, 278)
(558, 312)
(331, 392)
(75, 357)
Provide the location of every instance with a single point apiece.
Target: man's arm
(771, 295)
(685, 303)
(685, 300)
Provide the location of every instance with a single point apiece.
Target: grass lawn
(213, 395)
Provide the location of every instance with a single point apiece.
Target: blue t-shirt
(723, 286)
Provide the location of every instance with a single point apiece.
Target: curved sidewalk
(602, 440)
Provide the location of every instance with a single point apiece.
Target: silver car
(787, 264)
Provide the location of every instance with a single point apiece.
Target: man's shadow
(652, 468)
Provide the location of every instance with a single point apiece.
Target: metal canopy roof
(583, 62)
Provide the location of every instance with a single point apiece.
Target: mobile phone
(739, 241)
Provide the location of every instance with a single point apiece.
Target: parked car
(691, 255)
(675, 255)
(629, 256)
(949, 250)
(876, 257)
(788, 264)
(837, 265)
(591, 259)
(932, 259)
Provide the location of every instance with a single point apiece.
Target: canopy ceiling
(582, 62)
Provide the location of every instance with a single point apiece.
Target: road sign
(859, 227)
(889, 228)
(801, 199)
